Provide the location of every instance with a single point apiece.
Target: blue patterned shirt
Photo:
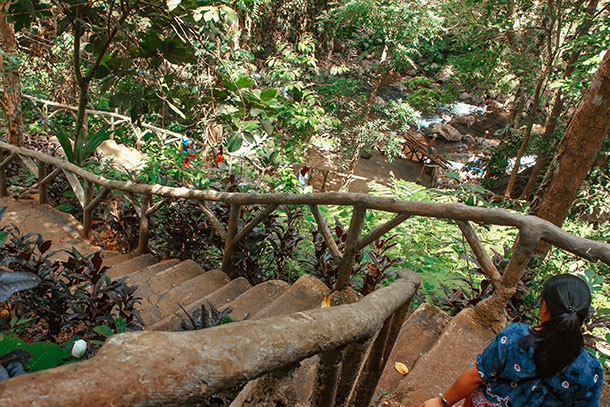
(509, 376)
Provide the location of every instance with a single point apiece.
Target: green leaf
(230, 15)
(121, 325)
(244, 82)
(11, 282)
(234, 143)
(267, 126)
(65, 207)
(64, 141)
(255, 112)
(229, 85)
(94, 140)
(250, 125)
(172, 4)
(104, 330)
(269, 94)
(211, 15)
(46, 355)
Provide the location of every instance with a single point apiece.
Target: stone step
(305, 294)
(164, 305)
(417, 335)
(29, 216)
(115, 259)
(219, 298)
(141, 278)
(130, 266)
(257, 298)
(61, 228)
(457, 347)
(173, 277)
(296, 388)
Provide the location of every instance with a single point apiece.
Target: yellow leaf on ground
(325, 302)
(402, 368)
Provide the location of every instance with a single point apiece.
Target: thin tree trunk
(577, 151)
(9, 71)
(552, 120)
(367, 109)
(526, 135)
(535, 101)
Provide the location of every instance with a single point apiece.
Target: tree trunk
(576, 152)
(551, 122)
(535, 100)
(9, 71)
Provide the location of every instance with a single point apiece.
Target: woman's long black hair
(559, 341)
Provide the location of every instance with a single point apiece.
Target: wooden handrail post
(325, 232)
(371, 371)
(144, 224)
(481, 255)
(227, 255)
(350, 251)
(326, 380)
(43, 196)
(5, 162)
(352, 361)
(87, 211)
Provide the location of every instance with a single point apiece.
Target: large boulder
(444, 131)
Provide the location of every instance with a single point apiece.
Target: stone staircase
(435, 347)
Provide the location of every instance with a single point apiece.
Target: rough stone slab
(174, 276)
(141, 278)
(416, 337)
(604, 400)
(218, 298)
(306, 293)
(118, 259)
(191, 291)
(257, 298)
(131, 266)
(59, 227)
(30, 216)
(457, 347)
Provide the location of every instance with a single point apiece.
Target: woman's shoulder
(515, 330)
(587, 363)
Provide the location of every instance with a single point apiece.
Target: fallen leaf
(401, 368)
(326, 302)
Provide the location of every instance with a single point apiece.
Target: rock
(445, 131)
(219, 298)
(121, 155)
(365, 155)
(446, 73)
(416, 337)
(379, 101)
(604, 400)
(306, 293)
(257, 298)
(469, 139)
(142, 277)
(401, 88)
(457, 347)
(465, 97)
(131, 266)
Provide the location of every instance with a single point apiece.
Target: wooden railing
(90, 189)
(175, 368)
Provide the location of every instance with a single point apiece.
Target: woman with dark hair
(544, 365)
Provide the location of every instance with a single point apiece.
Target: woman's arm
(468, 381)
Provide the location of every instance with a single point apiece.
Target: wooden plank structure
(416, 150)
(367, 344)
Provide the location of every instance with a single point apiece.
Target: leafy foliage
(73, 296)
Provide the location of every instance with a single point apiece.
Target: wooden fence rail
(90, 189)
